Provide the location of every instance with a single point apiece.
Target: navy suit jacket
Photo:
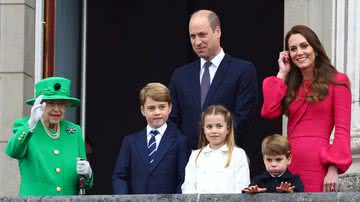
(134, 175)
(234, 86)
(270, 183)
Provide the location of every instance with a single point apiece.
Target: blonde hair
(276, 145)
(230, 139)
(155, 91)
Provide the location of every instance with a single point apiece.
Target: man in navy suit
(233, 81)
(152, 161)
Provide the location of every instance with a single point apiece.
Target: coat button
(19, 138)
(58, 189)
(23, 133)
(56, 152)
(58, 170)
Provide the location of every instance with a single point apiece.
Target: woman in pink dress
(316, 98)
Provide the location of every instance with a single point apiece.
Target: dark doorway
(131, 43)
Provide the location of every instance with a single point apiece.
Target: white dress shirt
(209, 175)
(215, 63)
(158, 137)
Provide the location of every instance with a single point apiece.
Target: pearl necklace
(57, 134)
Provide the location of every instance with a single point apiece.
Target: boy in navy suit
(277, 178)
(153, 160)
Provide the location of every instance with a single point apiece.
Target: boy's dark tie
(152, 146)
(205, 82)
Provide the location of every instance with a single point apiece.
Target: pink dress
(309, 128)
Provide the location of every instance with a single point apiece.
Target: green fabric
(38, 162)
(54, 88)
(53, 132)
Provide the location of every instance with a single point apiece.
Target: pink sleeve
(274, 90)
(339, 152)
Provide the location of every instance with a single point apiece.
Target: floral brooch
(70, 130)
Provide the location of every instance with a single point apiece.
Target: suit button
(19, 138)
(56, 152)
(23, 133)
(58, 189)
(58, 170)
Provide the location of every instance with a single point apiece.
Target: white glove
(37, 110)
(83, 168)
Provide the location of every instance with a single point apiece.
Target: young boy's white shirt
(209, 175)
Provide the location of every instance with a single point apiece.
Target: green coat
(47, 166)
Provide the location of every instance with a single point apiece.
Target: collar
(161, 129)
(276, 176)
(285, 175)
(224, 148)
(215, 61)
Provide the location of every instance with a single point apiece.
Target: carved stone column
(347, 60)
(16, 79)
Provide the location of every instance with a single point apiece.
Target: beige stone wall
(17, 18)
(317, 14)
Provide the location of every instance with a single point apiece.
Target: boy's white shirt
(209, 174)
(158, 137)
(215, 63)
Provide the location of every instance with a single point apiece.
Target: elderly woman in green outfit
(50, 150)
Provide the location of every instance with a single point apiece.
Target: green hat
(54, 88)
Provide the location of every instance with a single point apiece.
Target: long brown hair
(230, 139)
(323, 71)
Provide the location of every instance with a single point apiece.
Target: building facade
(335, 21)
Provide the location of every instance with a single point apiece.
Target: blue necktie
(205, 82)
(152, 146)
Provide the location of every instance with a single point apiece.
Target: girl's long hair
(230, 139)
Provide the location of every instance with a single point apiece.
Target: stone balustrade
(303, 197)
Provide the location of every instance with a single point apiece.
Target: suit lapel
(195, 83)
(165, 143)
(219, 77)
(141, 148)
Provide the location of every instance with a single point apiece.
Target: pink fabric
(309, 128)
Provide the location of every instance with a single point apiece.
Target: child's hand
(254, 189)
(285, 187)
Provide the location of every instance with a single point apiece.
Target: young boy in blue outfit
(153, 160)
(277, 178)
